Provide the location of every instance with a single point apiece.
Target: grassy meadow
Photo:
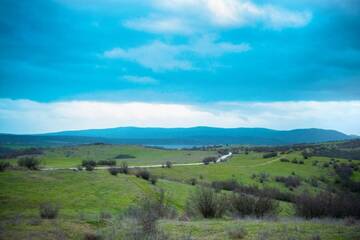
(93, 203)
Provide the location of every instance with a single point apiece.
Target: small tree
(124, 168)
(168, 164)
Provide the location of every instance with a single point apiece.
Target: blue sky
(214, 62)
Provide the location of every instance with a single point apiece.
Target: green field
(72, 156)
(85, 197)
(242, 167)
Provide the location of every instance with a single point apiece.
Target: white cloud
(139, 79)
(187, 16)
(159, 25)
(25, 116)
(160, 56)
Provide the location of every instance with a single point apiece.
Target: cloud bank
(26, 116)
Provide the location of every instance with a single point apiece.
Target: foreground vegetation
(257, 194)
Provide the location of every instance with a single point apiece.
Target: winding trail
(220, 159)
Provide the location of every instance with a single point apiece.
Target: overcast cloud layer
(75, 64)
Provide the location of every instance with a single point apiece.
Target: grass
(241, 167)
(263, 229)
(84, 195)
(72, 156)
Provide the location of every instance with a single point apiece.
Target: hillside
(208, 135)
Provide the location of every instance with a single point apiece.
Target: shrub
(243, 204)
(146, 213)
(228, 185)
(263, 177)
(290, 181)
(326, 165)
(264, 205)
(270, 155)
(193, 181)
(301, 161)
(113, 171)
(295, 161)
(206, 202)
(124, 156)
(48, 210)
(237, 232)
(124, 168)
(208, 160)
(153, 179)
(88, 163)
(4, 166)
(327, 204)
(92, 236)
(284, 160)
(89, 168)
(29, 162)
(144, 174)
(168, 164)
(106, 163)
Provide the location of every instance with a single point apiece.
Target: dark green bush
(124, 168)
(243, 204)
(143, 173)
(106, 163)
(124, 156)
(48, 210)
(29, 162)
(270, 155)
(113, 171)
(4, 166)
(207, 203)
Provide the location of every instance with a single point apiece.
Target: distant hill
(183, 136)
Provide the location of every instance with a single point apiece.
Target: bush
(295, 161)
(290, 181)
(193, 181)
(124, 156)
(208, 160)
(48, 210)
(92, 236)
(243, 204)
(301, 161)
(113, 171)
(228, 185)
(270, 155)
(237, 233)
(284, 160)
(263, 177)
(146, 213)
(144, 174)
(153, 179)
(168, 164)
(29, 162)
(124, 168)
(4, 166)
(264, 205)
(88, 163)
(106, 163)
(206, 202)
(327, 204)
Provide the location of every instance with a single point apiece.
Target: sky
(80, 64)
